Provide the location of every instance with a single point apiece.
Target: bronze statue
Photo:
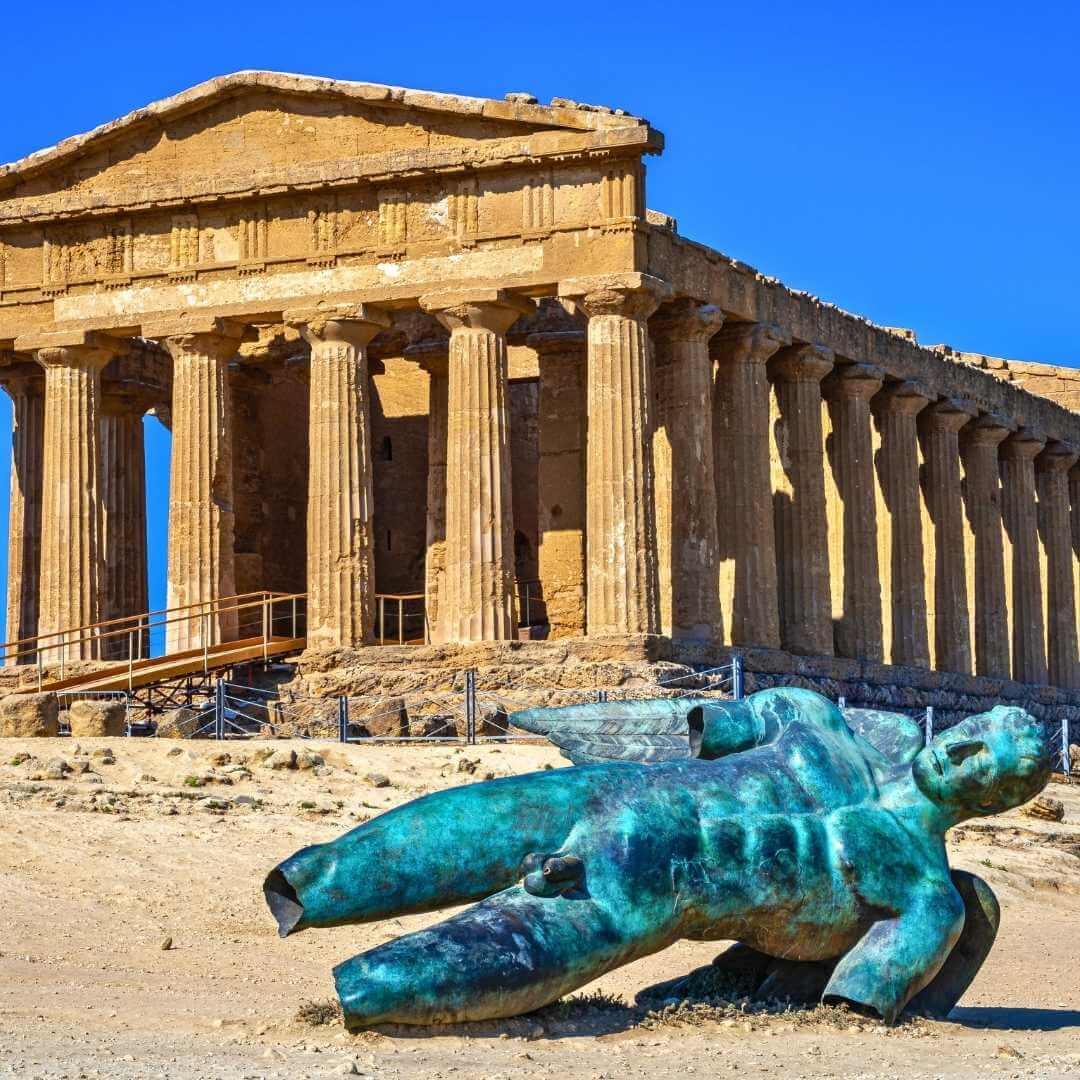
(776, 822)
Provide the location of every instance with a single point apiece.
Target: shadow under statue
(812, 838)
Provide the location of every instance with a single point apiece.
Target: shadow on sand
(1016, 1019)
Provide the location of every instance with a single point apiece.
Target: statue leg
(509, 954)
(982, 916)
(447, 848)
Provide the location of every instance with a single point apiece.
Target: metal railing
(468, 716)
(401, 618)
(182, 630)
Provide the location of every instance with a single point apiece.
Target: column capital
(557, 342)
(351, 324)
(860, 381)
(987, 429)
(633, 295)
(22, 377)
(801, 363)
(749, 343)
(1023, 445)
(124, 400)
(1058, 457)
(80, 348)
(903, 398)
(948, 414)
(686, 320)
(432, 354)
(494, 310)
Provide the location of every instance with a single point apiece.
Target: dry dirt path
(98, 869)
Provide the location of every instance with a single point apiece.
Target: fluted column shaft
(1024, 579)
(476, 598)
(562, 366)
(340, 546)
(741, 466)
(435, 557)
(946, 564)
(982, 505)
(72, 552)
(124, 519)
(201, 564)
(686, 542)
(798, 475)
(27, 393)
(900, 525)
(854, 573)
(620, 500)
(1055, 533)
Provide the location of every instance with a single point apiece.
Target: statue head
(986, 764)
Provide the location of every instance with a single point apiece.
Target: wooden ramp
(140, 673)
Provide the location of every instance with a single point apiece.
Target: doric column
(201, 565)
(746, 536)
(853, 552)
(798, 485)
(340, 548)
(26, 388)
(946, 564)
(435, 527)
(1055, 532)
(620, 505)
(561, 356)
(1023, 577)
(987, 602)
(72, 553)
(123, 496)
(686, 540)
(900, 524)
(476, 599)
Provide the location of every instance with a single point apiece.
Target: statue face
(987, 764)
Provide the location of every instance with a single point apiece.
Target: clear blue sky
(917, 164)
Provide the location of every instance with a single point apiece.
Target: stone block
(386, 719)
(97, 718)
(24, 716)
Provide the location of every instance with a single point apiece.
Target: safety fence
(468, 714)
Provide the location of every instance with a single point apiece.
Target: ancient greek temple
(415, 343)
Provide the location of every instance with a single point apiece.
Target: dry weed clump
(319, 1013)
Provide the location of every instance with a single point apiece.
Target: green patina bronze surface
(813, 838)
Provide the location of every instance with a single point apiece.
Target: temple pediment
(259, 130)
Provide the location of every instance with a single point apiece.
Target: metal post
(929, 734)
(205, 642)
(219, 710)
(63, 652)
(40, 663)
(382, 620)
(400, 621)
(131, 654)
(343, 719)
(470, 706)
(601, 696)
(737, 677)
(1066, 764)
(266, 627)
(294, 616)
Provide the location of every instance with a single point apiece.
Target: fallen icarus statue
(813, 838)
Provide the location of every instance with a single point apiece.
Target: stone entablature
(714, 459)
(747, 294)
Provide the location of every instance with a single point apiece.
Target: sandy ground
(99, 869)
